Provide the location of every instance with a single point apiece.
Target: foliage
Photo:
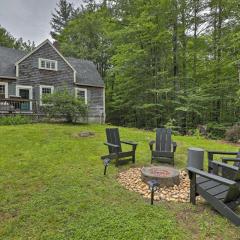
(52, 187)
(14, 120)
(7, 40)
(24, 46)
(162, 60)
(64, 104)
(171, 124)
(233, 134)
(216, 131)
(63, 13)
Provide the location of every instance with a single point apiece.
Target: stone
(165, 176)
(131, 180)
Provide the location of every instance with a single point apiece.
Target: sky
(29, 19)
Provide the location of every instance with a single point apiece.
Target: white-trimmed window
(45, 90)
(3, 90)
(47, 64)
(81, 93)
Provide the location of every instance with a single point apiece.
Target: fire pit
(165, 176)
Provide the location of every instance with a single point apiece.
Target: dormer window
(47, 64)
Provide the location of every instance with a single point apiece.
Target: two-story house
(45, 70)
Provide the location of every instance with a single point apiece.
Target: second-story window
(47, 64)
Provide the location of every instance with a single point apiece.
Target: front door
(24, 94)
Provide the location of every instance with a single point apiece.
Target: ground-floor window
(3, 90)
(81, 93)
(45, 90)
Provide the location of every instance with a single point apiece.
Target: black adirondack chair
(235, 160)
(231, 172)
(164, 147)
(221, 193)
(115, 147)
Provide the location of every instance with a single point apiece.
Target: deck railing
(18, 105)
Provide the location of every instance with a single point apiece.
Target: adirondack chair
(164, 147)
(221, 193)
(231, 172)
(115, 147)
(212, 153)
(228, 171)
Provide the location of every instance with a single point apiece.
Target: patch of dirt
(6, 216)
(83, 134)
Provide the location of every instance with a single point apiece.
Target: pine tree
(63, 13)
(6, 39)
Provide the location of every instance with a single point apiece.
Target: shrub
(14, 120)
(216, 131)
(233, 134)
(171, 124)
(63, 104)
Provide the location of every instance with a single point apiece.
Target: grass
(52, 187)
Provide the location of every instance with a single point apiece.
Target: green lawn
(52, 187)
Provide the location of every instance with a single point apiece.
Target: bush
(216, 131)
(171, 124)
(14, 120)
(233, 134)
(63, 104)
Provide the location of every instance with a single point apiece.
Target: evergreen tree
(6, 39)
(162, 60)
(63, 13)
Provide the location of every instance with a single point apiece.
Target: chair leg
(133, 158)
(192, 177)
(116, 161)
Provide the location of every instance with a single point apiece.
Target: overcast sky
(28, 19)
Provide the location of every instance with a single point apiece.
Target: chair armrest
(151, 144)
(212, 153)
(109, 156)
(174, 146)
(212, 176)
(129, 143)
(222, 152)
(111, 145)
(225, 160)
(225, 165)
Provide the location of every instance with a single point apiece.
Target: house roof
(86, 72)
(8, 57)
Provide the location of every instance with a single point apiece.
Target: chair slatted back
(113, 138)
(237, 164)
(163, 140)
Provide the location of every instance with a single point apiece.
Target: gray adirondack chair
(211, 155)
(221, 193)
(223, 168)
(115, 147)
(164, 147)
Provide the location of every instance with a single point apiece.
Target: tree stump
(165, 176)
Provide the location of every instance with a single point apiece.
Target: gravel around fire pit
(131, 180)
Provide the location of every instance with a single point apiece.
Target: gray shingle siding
(29, 74)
